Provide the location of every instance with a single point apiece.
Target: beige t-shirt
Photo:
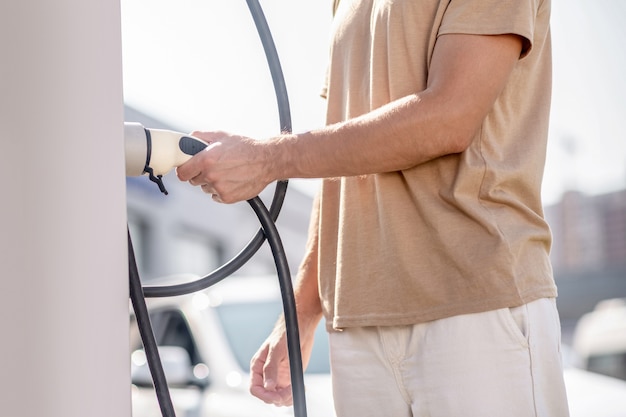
(462, 233)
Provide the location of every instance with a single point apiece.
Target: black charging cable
(268, 231)
(289, 308)
(147, 335)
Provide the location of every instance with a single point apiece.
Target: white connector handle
(157, 149)
(171, 149)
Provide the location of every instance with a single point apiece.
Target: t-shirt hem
(437, 313)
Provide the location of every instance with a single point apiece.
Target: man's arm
(467, 74)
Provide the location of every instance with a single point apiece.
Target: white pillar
(63, 268)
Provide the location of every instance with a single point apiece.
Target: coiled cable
(268, 231)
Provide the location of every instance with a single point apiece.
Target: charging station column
(63, 259)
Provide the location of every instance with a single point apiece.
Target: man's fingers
(261, 387)
(280, 397)
(208, 136)
(193, 169)
(268, 380)
(188, 171)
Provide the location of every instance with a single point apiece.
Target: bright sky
(199, 64)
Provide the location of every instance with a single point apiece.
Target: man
(427, 252)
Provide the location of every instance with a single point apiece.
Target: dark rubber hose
(147, 336)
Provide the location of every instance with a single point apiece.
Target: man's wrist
(284, 156)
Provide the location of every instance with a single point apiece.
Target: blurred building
(588, 251)
(588, 231)
(186, 232)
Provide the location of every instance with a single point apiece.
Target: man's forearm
(466, 76)
(397, 136)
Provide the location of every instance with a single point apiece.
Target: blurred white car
(595, 369)
(599, 341)
(206, 341)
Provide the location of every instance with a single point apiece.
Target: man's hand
(231, 169)
(270, 378)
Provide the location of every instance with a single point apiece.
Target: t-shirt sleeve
(492, 17)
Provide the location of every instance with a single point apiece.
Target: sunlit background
(199, 65)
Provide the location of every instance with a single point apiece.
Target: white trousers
(501, 363)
